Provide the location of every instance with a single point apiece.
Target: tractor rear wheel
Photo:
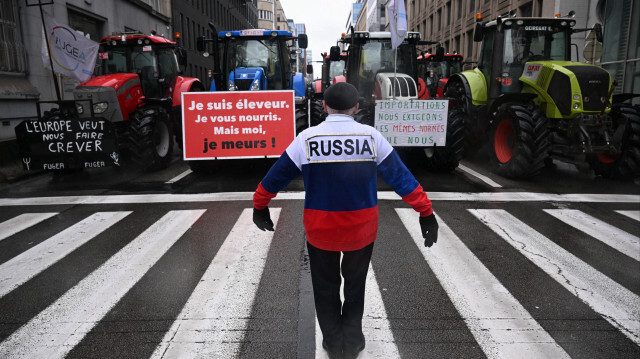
(302, 119)
(152, 139)
(519, 141)
(447, 158)
(625, 165)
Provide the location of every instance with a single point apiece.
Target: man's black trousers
(340, 323)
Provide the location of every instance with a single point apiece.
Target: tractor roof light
(274, 33)
(558, 15)
(478, 16)
(228, 34)
(176, 35)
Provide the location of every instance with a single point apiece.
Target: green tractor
(533, 104)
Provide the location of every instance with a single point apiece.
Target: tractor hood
(247, 79)
(570, 85)
(112, 96)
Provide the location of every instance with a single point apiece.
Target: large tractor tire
(625, 165)
(152, 139)
(519, 143)
(317, 112)
(447, 158)
(302, 119)
(474, 133)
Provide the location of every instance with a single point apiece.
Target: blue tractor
(257, 60)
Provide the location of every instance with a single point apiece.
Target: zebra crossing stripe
(22, 222)
(615, 303)
(28, 264)
(500, 324)
(213, 322)
(612, 236)
(62, 325)
(631, 214)
(375, 325)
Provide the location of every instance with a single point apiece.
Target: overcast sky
(325, 21)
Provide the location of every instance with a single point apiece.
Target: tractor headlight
(232, 86)
(576, 106)
(576, 97)
(79, 109)
(255, 86)
(100, 107)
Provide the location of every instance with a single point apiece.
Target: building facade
(621, 45)
(191, 19)
(266, 14)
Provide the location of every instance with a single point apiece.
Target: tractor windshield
(154, 65)
(376, 56)
(532, 43)
(261, 52)
(336, 68)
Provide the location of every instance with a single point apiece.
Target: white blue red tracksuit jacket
(340, 161)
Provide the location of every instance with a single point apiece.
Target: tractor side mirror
(310, 69)
(200, 46)
(477, 34)
(303, 41)
(181, 53)
(598, 29)
(334, 53)
(439, 53)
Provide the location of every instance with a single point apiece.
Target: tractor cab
(331, 68)
(255, 59)
(436, 70)
(152, 58)
(370, 65)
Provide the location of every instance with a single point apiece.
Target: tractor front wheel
(626, 164)
(152, 139)
(447, 158)
(518, 141)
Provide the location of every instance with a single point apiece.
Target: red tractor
(434, 72)
(139, 90)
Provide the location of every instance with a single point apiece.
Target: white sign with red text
(413, 123)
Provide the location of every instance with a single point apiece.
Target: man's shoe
(352, 354)
(334, 353)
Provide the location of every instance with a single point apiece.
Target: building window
(12, 52)
(154, 4)
(265, 15)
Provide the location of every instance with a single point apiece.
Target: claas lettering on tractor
(434, 70)
(136, 94)
(370, 68)
(532, 103)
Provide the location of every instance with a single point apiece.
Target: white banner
(73, 54)
(413, 123)
(397, 22)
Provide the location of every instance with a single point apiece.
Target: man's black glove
(262, 219)
(429, 229)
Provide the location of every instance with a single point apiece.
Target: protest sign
(412, 123)
(237, 124)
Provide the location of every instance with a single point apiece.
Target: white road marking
(22, 222)
(631, 214)
(483, 178)
(180, 176)
(375, 325)
(62, 325)
(28, 264)
(500, 324)
(614, 237)
(214, 320)
(382, 195)
(618, 305)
